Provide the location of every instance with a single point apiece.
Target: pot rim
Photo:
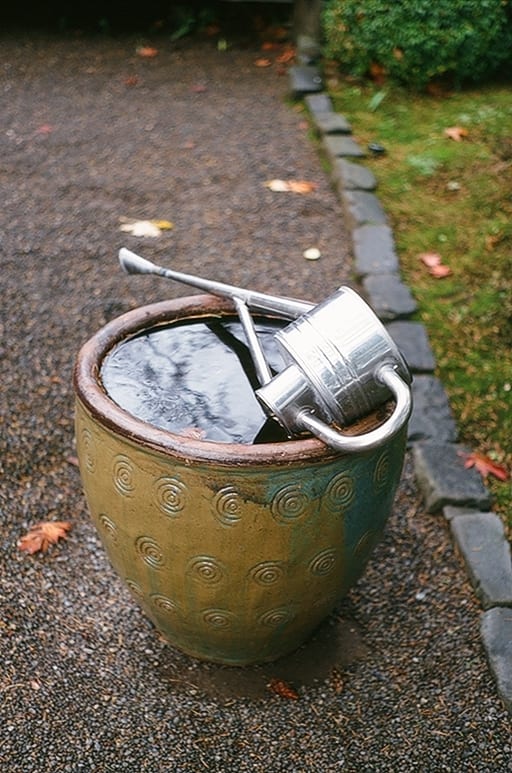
(93, 397)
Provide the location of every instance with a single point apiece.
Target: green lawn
(453, 198)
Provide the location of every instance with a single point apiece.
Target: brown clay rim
(106, 412)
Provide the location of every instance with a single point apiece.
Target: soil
(92, 134)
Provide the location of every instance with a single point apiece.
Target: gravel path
(396, 680)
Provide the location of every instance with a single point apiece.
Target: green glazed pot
(235, 552)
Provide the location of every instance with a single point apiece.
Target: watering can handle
(370, 440)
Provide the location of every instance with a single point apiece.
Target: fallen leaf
(283, 689)
(147, 52)
(291, 186)
(262, 62)
(430, 259)
(163, 225)
(456, 133)
(151, 228)
(288, 55)
(301, 186)
(42, 535)
(278, 186)
(434, 263)
(485, 465)
(440, 271)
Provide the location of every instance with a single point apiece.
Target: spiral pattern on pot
(217, 618)
(163, 604)
(206, 569)
(123, 472)
(89, 449)
(381, 472)
(266, 573)
(273, 618)
(108, 527)
(150, 552)
(340, 492)
(227, 505)
(366, 543)
(170, 495)
(135, 588)
(289, 503)
(323, 563)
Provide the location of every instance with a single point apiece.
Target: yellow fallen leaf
(163, 225)
(152, 228)
(141, 228)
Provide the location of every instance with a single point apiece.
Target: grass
(453, 198)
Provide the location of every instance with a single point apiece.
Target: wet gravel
(396, 680)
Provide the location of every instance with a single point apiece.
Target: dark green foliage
(416, 41)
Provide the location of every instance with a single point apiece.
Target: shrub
(415, 41)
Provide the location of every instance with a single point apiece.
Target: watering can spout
(288, 308)
(135, 264)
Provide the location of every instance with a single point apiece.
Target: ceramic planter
(236, 552)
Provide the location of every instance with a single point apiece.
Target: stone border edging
(446, 484)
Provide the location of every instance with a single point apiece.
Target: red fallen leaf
(262, 62)
(283, 689)
(147, 52)
(434, 263)
(270, 45)
(440, 271)
(288, 55)
(42, 535)
(456, 133)
(430, 259)
(484, 465)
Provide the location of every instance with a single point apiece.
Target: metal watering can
(340, 361)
